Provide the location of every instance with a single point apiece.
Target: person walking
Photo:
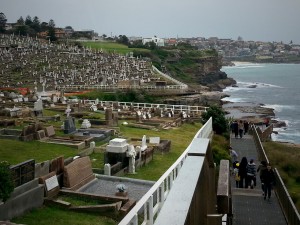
(262, 166)
(246, 127)
(234, 156)
(235, 128)
(241, 128)
(251, 174)
(237, 177)
(243, 172)
(268, 178)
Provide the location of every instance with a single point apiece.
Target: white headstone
(117, 145)
(51, 183)
(144, 143)
(131, 153)
(154, 140)
(92, 145)
(107, 169)
(86, 124)
(38, 105)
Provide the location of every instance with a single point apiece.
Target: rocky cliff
(196, 67)
(209, 74)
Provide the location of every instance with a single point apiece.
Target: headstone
(86, 124)
(51, 183)
(78, 173)
(41, 169)
(38, 107)
(107, 169)
(69, 125)
(117, 145)
(57, 165)
(131, 153)
(154, 140)
(23, 172)
(40, 134)
(68, 111)
(92, 145)
(49, 131)
(144, 143)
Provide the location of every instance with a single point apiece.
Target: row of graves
(58, 180)
(62, 66)
(51, 181)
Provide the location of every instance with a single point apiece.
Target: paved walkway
(249, 206)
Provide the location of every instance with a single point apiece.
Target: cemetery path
(249, 206)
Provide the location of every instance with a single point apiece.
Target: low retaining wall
(23, 198)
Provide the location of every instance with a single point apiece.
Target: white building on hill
(156, 40)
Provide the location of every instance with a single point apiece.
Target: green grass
(286, 159)
(180, 139)
(112, 47)
(49, 215)
(18, 151)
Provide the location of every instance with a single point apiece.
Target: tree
(20, 21)
(44, 26)
(51, 23)
(123, 39)
(21, 29)
(6, 183)
(28, 20)
(219, 121)
(36, 24)
(51, 34)
(2, 22)
(240, 38)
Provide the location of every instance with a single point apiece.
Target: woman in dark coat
(243, 172)
(268, 178)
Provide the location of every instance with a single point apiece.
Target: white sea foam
(279, 108)
(229, 99)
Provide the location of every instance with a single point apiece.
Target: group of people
(245, 174)
(239, 128)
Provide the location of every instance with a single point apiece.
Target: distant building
(171, 42)
(156, 40)
(59, 33)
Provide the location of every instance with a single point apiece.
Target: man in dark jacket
(268, 178)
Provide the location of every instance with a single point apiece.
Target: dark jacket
(268, 176)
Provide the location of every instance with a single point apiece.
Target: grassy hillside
(286, 157)
(112, 47)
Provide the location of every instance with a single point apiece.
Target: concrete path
(249, 206)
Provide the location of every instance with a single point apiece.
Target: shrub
(220, 124)
(219, 153)
(6, 183)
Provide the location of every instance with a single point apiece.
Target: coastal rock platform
(254, 113)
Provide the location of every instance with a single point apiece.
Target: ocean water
(277, 87)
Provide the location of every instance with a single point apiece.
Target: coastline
(255, 113)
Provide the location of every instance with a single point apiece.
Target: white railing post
(150, 210)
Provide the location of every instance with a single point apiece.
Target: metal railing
(160, 189)
(288, 207)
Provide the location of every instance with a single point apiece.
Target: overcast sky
(258, 20)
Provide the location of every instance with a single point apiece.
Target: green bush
(220, 124)
(6, 183)
(219, 153)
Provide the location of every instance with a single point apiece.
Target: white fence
(166, 107)
(182, 85)
(162, 187)
(120, 87)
